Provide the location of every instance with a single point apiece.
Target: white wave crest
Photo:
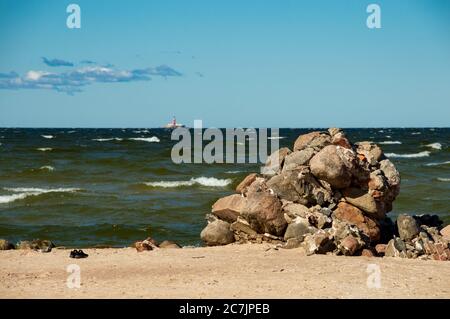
(443, 179)
(47, 136)
(275, 137)
(437, 164)
(45, 149)
(436, 146)
(141, 131)
(108, 139)
(390, 142)
(47, 168)
(414, 155)
(233, 172)
(24, 192)
(416, 133)
(203, 181)
(152, 139)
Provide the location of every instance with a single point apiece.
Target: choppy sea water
(87, 187)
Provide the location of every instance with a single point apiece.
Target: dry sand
(234, 271)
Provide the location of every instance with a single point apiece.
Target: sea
(111, 187)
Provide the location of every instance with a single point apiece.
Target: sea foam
(44, 149)
(108, 139)
(24, 192)
(443, 179)
(47, 168)
(436, 146)
(203, 181)
(437, 164)
(390, 142)
(47, 136)
(152, 139)
(414, 155)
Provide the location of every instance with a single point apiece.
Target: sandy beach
(233, 271)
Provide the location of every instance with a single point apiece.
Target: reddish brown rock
(333, 164)
(229, 208)
(380, 249)
(342, 142)
(349, 246)
(353, 215)
(367, 253)
(363, 200)
(264, 215)
(246, 182)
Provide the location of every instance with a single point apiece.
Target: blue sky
(230, 63)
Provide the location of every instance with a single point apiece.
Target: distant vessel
(173, 124)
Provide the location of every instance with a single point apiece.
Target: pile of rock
(419, 237)
(327, 196)
(40, 245)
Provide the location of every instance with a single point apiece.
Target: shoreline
(232, 271)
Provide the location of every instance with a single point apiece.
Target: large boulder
(334, 165)
(299, 185)
(217, 233)
(229, 208)
(264, 214)
(316, 140)
(407, 227)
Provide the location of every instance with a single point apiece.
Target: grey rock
(298, 229)
(407, 227)
(298, 158)
(275, 162)
(396, 248)
(293, 243)
(242, 226)
(217, 233)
